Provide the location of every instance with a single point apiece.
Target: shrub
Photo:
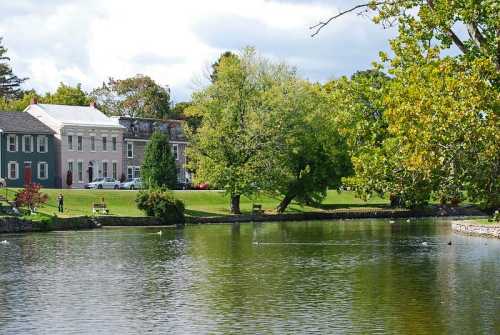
(162, 204)
(31, 197)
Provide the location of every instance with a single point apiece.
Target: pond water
(336, 277)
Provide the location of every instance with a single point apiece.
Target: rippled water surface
(337, 277)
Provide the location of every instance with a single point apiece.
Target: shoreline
(473, 228)
(17, 225)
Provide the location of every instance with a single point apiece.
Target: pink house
(87, 142)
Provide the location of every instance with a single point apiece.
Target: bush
(162, 204)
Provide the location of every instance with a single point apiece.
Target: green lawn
(198, 203)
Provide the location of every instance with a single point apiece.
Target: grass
(486, 222)
(198, 203)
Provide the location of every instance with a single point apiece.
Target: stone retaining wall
(14, 225)
(470, 227)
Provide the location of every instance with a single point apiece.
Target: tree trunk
(284, 203)
(235, 204)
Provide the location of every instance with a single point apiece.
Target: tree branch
(322, 24)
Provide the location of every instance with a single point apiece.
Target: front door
(91, 172)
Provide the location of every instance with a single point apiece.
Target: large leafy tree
(138, 96)
(441, 112)
(10, 84)
(158, 168)
(229, 148)
(308, 154)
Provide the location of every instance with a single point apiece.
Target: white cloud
(88, 41)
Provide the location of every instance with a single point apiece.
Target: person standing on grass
(60, 203)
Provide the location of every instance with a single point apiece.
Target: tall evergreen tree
(10, 84)
(158, 169)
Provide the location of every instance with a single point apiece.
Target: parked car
(201, 186)
(101, 183)
(3, 183)
(132, 184)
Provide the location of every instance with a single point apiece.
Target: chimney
(93, 104)
(34, 101)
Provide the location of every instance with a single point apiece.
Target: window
(130, 149)
(115, 170)
(130, 172)
(104, 169)
(113, 143)
(92, 143)
(104, 143)
(42, 144)
(80, 143)
(137, 172)
(12, 143)
(43, 168)
(27, 143)
(175, 151)
(13, 168)
(70, 142)
(80, 171)
(70, 167)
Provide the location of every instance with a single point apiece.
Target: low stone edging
(473, 228)
(16, 225)
(10, 224)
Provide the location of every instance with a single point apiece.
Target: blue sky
(87, 41)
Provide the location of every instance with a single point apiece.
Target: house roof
(77, 115)
(21, 122)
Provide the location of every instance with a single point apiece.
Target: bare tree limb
(317, 27)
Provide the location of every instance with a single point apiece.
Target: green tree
(215, 66)
(441, 112)
(229, 148)
(67, 95)
(10, 84)
(138, 96)
(158, 168)
(308, 155)
(19, 104)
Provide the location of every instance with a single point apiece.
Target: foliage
(308, 154)
(439, 130)
(19, 104)
(67, 95)
(31, 196)
(10, 84)
(215, 66)
(64, 95)
(138, 96)
(445, 115)
(161, 203)
(158, 168)
(229, 148)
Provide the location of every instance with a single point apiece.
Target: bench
(257, 209)
(100, 207)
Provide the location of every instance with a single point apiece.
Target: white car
(3, 183)
(132, 184)
(101, 183)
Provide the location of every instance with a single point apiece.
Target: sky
(175, 42)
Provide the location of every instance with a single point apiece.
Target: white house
(87, 142)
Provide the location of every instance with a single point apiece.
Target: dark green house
(27, 150)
